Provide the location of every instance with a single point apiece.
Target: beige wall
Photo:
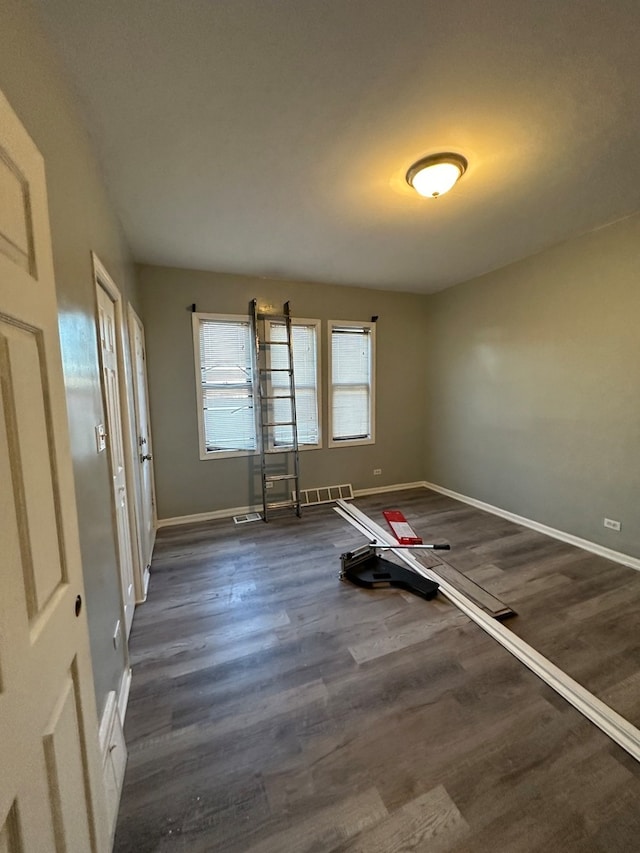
(81, 221)
(533, 386)
(184, 483)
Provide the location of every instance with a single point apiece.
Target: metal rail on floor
(601, 715)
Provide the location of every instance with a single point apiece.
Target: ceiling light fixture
(436, 174)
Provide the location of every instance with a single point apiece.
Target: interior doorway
(145, 499)
(110, 345)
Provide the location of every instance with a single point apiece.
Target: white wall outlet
(269, 485)
(612, 524)
(377, 471)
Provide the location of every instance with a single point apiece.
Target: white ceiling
(271, 137)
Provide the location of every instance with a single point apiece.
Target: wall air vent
(325, 494)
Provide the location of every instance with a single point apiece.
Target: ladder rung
(272, 478)
(275, 370)
(279, 504)
(285, 448)
(278, 423)
(276, 397)
(276, 343)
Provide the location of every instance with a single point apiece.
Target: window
(352, 386)
(225, 391)
(306, 371)
(227, 422)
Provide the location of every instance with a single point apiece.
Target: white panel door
(146, 519)
(115, 442)
(51, 795)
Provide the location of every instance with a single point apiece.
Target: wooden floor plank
(328, 828)
(473, 590)
(430, 822)
(385, 641)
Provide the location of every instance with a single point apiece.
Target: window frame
(317, 326)
(371, 439)
(197, 318)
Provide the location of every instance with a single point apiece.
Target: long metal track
(279, 462)
(605, 718)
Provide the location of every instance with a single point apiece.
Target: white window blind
(227, 391)
(305, 370)
(351, 383)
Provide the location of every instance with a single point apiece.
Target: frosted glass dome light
(437, 174)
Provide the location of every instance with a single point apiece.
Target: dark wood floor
(274, 708)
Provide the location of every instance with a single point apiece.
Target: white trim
(123, 693)
(229, 512)
(605, 718)
(395, 487)
(569, 538)
(331, 442)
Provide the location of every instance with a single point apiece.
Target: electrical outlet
(377, 471)
(612, 524)
(269, 485)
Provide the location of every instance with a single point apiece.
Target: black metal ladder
(277, 431)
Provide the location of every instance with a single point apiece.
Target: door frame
(134, 320)
(102, 279)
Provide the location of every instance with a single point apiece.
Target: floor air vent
(325, 495)
(249, 516)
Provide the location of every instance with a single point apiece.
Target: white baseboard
(123, 693)
(146, 577)
(569, 538)
(243, 510)
(207, 516)
(396, 487)
(142, 587)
